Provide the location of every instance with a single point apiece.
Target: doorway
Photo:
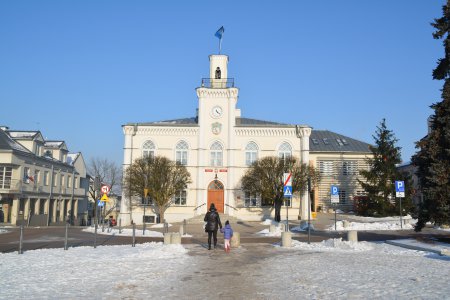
(216, 195)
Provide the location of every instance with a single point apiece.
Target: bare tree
(265, 178)
(104, 171)
(162, 177)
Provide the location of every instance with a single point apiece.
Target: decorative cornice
(167, 131)
(284, 132)
(217, 93)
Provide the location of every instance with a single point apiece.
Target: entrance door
(216, 195)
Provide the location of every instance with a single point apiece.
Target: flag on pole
(220, 32)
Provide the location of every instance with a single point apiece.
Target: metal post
(287, 214)
(143, 219)
(102, 215)
(134, 236)
(184, 226)
(66, 235)
(120, 226)
(335, 217)
(401, 222)
(166, 227)
(21, 240)
(95, 234)
(309, 210)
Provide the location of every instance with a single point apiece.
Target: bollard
(283, 227)
(167, 238)
(352, 236)
(345, 223)
(166, 227)
(181, 230)
(21, 240)
(286, 239)
(134, 236)
(143, 228)
(65, 237)
(235, 240)
(175, 238)
(272, 228)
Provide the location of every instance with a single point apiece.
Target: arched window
(251, 153)
(148, 149)
(285, 151)
(216, 154)
(181, 153)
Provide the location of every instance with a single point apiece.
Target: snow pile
(333, 245)
(107, 272)
(406, 218)
(160, 225)
(3, 231)
(437, 228)
(266, 232)
(268, 222)
(125, 232)
(369, 226)
(303, 227)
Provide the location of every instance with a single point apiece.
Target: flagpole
(220, 45)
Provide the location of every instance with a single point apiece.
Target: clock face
(216, 112)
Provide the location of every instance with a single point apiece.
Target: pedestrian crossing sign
(287, 191)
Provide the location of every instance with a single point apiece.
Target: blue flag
(220, 32)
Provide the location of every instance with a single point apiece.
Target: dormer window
(48, 153)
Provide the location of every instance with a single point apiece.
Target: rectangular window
(250, 158)
(5, 177)
(37, 176)
(342, 197)
(69, 181)
(46, 178)
(62, 180)
(181, 157)
(26, 175)
(250, 200)
(350, 167)
(54, 179)
(76, 183)
(216, 158)
(287, 202)
(180, 198)
(325, 167)
(148, 201)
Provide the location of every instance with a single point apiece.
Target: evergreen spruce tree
(433, 157)
(382, 173)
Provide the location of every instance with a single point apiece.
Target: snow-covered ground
(369, 226)
(124, 232)
(3, 230)
(328, 270)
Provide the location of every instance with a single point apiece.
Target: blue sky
(78, 70)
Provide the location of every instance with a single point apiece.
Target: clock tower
(217, 112)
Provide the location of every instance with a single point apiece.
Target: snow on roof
(71, 157)
(22, 134)
(7, 143)
(53, 144)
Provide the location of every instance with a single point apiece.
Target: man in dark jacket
(213, 223)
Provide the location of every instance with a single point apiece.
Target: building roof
(72, 157)
(53, 144)
(328, 141)
(23, 134)
(319, 141)
(194, 121)
(7, 143)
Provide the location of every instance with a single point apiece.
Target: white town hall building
(217, 147)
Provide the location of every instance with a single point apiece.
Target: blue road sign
(100, 203)
(334, 190)
(287, 191)
(399, 186)
(334, 194)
